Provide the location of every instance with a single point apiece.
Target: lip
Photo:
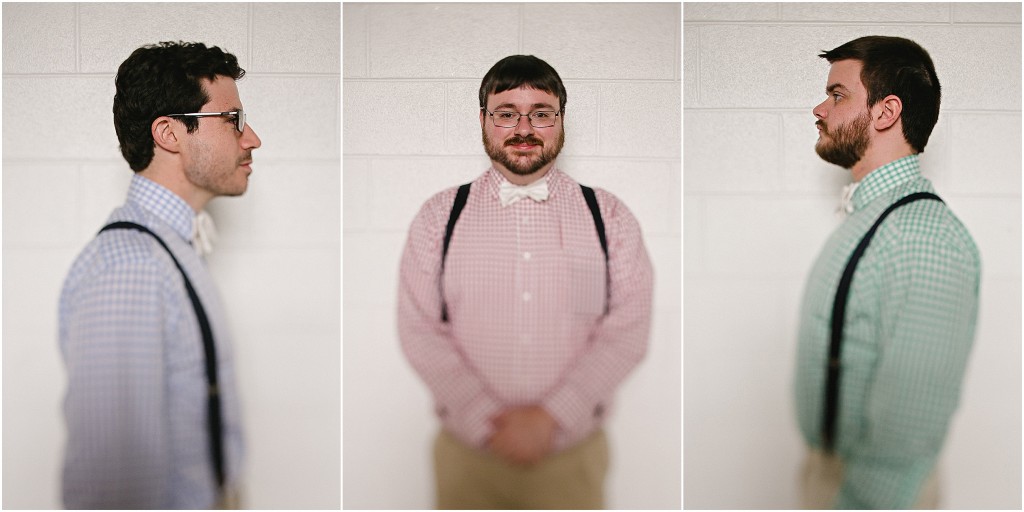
(525, 147)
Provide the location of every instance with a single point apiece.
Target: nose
(524, 127)
(819, 111)
(249, 139)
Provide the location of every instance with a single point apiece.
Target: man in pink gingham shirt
(523, 331)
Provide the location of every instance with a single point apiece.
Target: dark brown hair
(517, 71)
(161, 79)
(898, 66)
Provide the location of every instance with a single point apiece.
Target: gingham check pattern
(136, 399)
(909, 328)
(525, 288)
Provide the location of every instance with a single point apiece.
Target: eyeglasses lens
(540, 119)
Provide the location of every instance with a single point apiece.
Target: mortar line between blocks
(78, 38)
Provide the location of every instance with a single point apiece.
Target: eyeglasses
(239, 117)
(510, 119)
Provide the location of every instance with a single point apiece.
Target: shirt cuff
(569, 409)
(472, 425)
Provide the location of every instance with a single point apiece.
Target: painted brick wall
(758, 206)
(277, 260)
(411, 76)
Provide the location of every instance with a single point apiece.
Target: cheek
(498, 134)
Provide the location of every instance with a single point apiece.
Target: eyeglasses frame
(239, 117)
(558, 113)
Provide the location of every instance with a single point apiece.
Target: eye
(542, 115)
(836, 96)
(505, 115)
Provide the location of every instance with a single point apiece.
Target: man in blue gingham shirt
(136, 402)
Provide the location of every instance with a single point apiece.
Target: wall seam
(679, 44)
(78, 38)
(476, 80)
(281, 74)
(522, 24)
(444, 118)
(249, 36)
(780, 171)
(854, 23)
(698, 78)
(366, 42)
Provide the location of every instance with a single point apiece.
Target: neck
(878, 154)
(521, 179)
(174, 179)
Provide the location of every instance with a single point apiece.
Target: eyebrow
(535, 106)
(835, 86)
(232, 109)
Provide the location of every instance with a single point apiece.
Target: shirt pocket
(587, 283)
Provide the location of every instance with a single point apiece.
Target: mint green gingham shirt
(909, 326)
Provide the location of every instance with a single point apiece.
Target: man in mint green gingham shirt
(909, 324)
(911, 309)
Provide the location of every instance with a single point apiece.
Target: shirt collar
(494, 180)
(885, 178)
(163, 204)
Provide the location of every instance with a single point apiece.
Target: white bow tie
(204, 234)
(846, 199)
(509, 193)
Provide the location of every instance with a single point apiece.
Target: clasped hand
(523, 435)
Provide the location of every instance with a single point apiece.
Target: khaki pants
(823, 474)
(229, 499)
(472, 479)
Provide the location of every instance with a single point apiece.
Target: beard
(523, 165)
(848, 142)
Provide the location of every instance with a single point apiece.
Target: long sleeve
(427, 342)
(929, 298)
(620, 340)
(136, 405)
(119, 448)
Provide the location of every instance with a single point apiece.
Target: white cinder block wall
(411, 76)
(759, 205)
(277, 260)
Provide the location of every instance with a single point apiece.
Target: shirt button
(526, 220)
(526, 296)
(527, 256)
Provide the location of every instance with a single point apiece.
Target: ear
(165, 134)
(481, 119)
(888, 111)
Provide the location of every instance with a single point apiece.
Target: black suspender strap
(588, 194)
(210, 351)
(831, 410)
(460, 202)
(595, 211)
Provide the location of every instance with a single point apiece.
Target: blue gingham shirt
(136, 402)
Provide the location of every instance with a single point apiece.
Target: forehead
(847, 74)
(523, 98)
(223, 93)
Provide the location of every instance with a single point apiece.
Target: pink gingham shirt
(525, 287)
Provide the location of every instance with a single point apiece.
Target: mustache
(821, 124)
(516, 140)
(246, 158)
